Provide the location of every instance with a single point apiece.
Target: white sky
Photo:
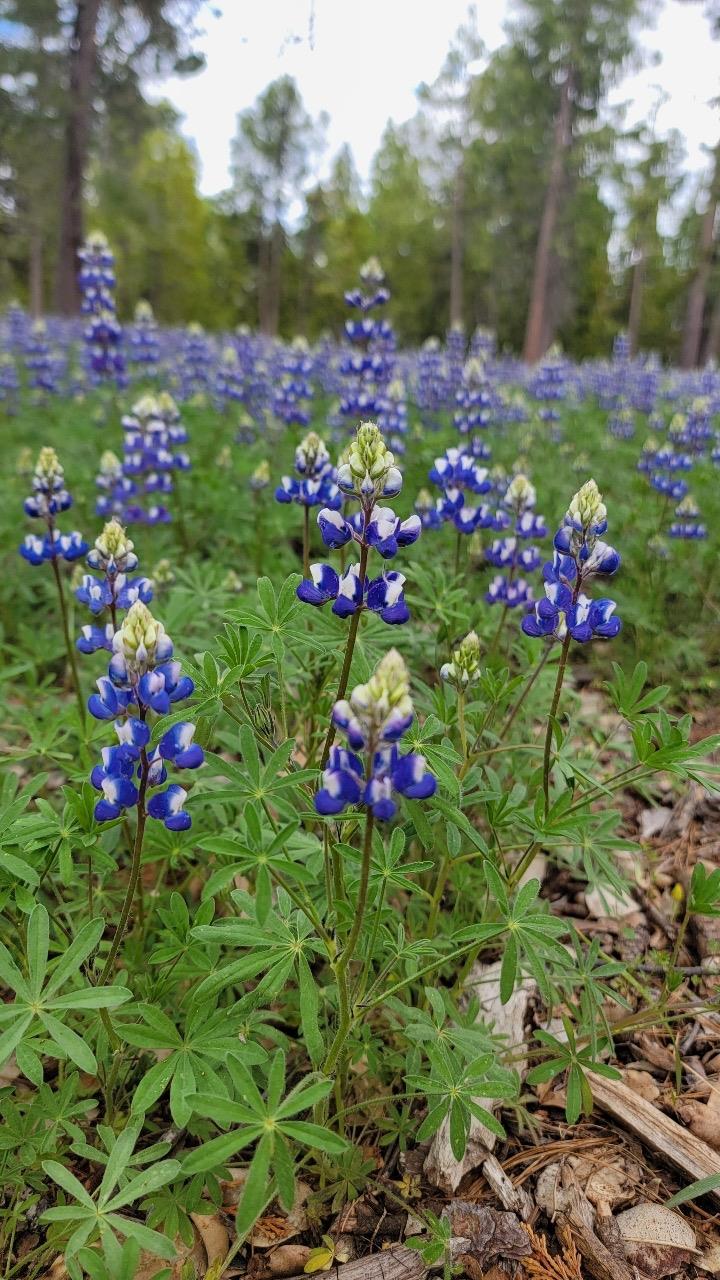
(361, 62)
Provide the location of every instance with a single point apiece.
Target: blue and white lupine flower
(382, 595)
(317, 484)
(374, 719)
(48, 498)
(167, 807)
(687, 526)
(368, 474)
(579, 556)
(142, 678)
(103, 334)
(512, 553)
(114, 555)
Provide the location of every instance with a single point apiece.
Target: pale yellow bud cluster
(162, 574)
(139, 636)
(370, 468)
(474, 370)
(47, 467)
(587, 507)
(113, 543)
(465, 666)
(143, 312)
(97, 242)
(109, 463)
(387, 690)
(372, 270)
(520, 495)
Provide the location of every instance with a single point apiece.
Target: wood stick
(656, 1130)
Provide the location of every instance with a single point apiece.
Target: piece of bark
(398, 1263)
(507, 1022)
(484, 1234)
(516, 1199)
(656, 1130)
(575, 1222)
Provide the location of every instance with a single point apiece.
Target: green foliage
(292, 990)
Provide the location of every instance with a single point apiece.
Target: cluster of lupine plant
(283, 981)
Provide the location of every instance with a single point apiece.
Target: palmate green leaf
(11, 1038)
(314, 1135)
(67, 1180)
(309, 1009)
(38, 943)
(256, 1192)
(143, 1184)
(18, 867)
(12, 976)
(216, 1153)
(153, 1241)
(69, 1043)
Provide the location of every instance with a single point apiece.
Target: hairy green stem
(341, 967)
(69, 646)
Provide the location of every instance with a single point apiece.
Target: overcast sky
(361, 62)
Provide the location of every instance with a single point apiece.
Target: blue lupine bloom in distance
(316, 486)
(374, 719)
(48, 498)
(687, 526)
(103, 335)
(512, 553)
(142, 678)
(578, 556)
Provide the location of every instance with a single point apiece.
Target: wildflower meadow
(289, 768)
(359, 792)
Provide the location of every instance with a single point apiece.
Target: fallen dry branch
(656, 1130)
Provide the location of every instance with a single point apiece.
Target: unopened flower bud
(465, 666)
(141, 639)
(587, 509)
(520, 495)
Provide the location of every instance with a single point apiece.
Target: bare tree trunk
(457, 247)
(535, 336)
(263, 272)
(83, 55)
(36, 275)
(274, 272)
(636, 300)
(692, 333)
(712, 346)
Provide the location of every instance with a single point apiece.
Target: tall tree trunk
(83, 56)
(536, 339)
(636, 300)
(274, 271)
(36, 275)
(712, 346)
(457, 247)
(262, 283)
(692, 333)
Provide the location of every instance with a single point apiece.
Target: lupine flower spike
(373, 720)
(48, 498)
(142, 678)
(368, 475)
(579, 556)
(114, 556)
